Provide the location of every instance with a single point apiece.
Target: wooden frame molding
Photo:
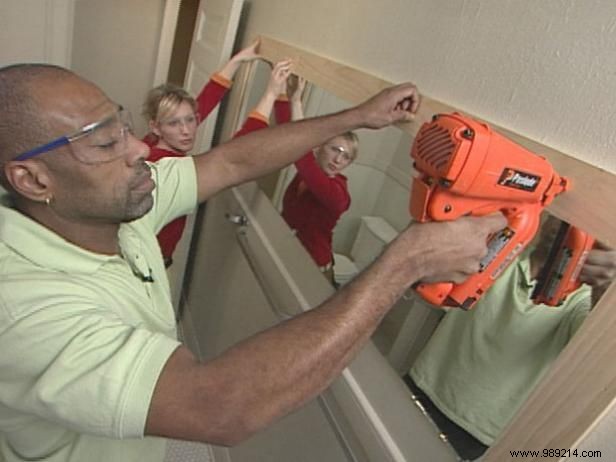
(585, 372)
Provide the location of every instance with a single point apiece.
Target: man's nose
(136, 149)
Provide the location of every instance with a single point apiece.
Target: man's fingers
(493, 223)
(601, 246)
(409, 97)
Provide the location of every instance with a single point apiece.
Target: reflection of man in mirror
(480, 365)
(318, 194)
(173, 116)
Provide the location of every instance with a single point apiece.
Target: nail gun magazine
(559, 275)
(465, 168)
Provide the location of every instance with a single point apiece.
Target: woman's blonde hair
(164, 99)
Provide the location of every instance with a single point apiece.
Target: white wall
(115, 44)
(545, 69)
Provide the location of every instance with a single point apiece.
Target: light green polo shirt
(480, 365)
(83, 338)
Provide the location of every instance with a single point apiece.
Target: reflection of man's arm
(599, 270)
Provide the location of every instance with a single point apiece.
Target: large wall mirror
(378, 183)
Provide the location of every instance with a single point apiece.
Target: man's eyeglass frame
(67, 139)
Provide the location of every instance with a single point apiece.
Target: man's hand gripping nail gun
(464, 168)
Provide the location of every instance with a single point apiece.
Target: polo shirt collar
(523, 264)
(44, 247)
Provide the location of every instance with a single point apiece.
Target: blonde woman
(173, 116)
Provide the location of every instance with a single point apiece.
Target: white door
(36, 31)
(212, 44)
(39, 31)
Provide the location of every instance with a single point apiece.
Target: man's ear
(29, 179)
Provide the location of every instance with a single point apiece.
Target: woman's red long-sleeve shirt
(211, 94)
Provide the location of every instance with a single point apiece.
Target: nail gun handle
(503, 249)
(435, 293)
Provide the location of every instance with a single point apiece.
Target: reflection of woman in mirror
(318, 194)
(479, 366)
(173, 116)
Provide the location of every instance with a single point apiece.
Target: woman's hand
(278, 78)
(295, 88)
(249, 53)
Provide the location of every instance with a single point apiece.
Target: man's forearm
(276, 371)
(266, 376)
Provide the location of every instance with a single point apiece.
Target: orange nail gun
(467, 169)
(559, 275)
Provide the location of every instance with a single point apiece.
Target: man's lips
(145, 182)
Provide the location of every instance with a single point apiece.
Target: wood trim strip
(593, 188)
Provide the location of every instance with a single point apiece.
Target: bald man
(90, 367)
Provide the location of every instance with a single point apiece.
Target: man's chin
(139, 210)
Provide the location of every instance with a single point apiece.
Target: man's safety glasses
(99, 142)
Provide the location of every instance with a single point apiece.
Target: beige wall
(544, 69)
(115, 43)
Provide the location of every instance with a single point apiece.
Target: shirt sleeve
(578, 304)
(176, 190)
(282, 111)
(75, 363)
(255, 121)
(212, 93)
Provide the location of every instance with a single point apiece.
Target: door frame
(165, 44)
